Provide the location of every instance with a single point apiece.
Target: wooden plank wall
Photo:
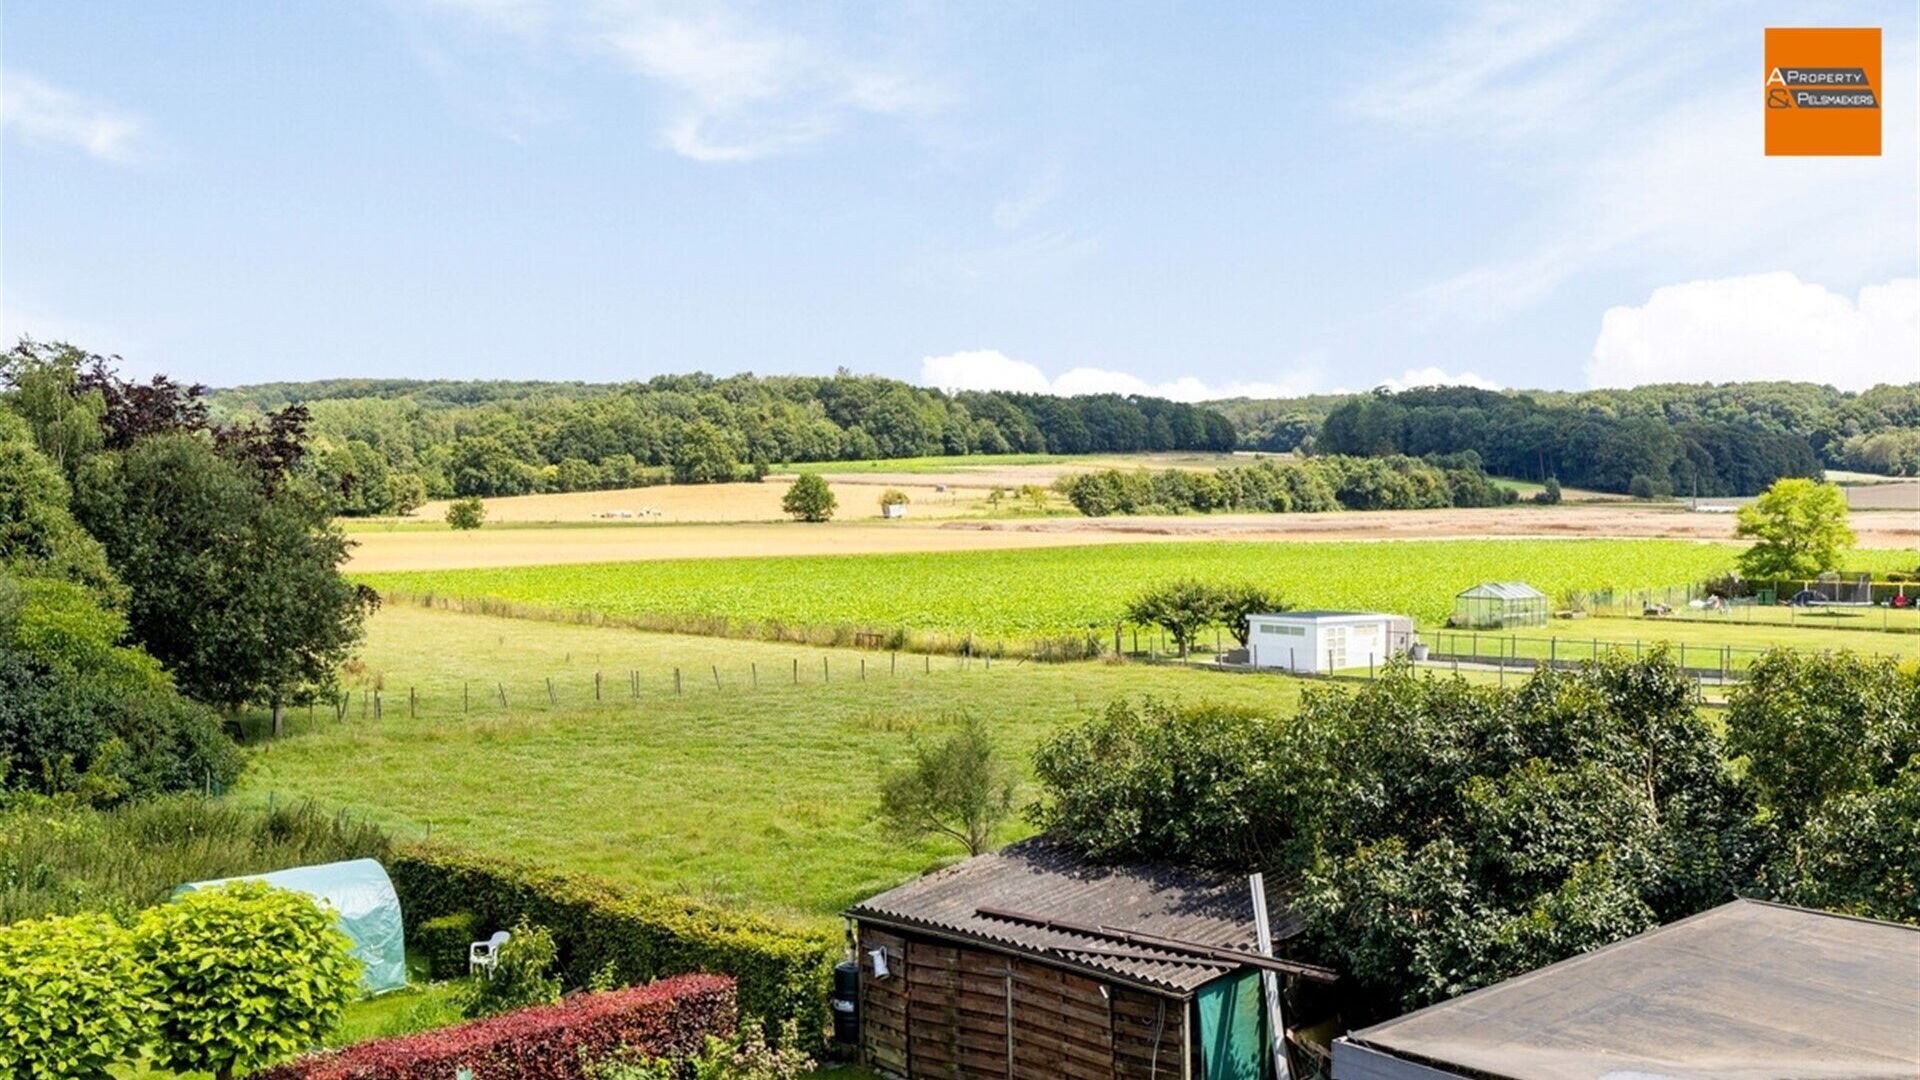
(945, 1010)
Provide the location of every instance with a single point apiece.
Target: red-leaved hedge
(547, 1042)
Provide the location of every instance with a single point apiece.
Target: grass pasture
(758, 796)
(1015, 594)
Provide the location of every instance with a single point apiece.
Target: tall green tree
(234, 575)
(1799, 529)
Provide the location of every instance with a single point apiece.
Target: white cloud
(1433, 376)
(1615, 159)
(990, 369)
(733, 89)
(38, 112)
(1762, 326)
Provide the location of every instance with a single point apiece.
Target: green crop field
(1014, 593)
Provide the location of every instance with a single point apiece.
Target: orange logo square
(1823, 92)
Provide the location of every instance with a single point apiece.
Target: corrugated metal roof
(1504, 590)
(1746, 991)
(1046, 879)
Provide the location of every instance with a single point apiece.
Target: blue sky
(1188, 199)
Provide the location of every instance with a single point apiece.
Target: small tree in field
(959, 788)
(1182, 608)
(467, 513)
(1237, 601)
(809, 499)
(250, 975)
(1799, 529)
(892, 497)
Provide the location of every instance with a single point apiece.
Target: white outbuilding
(1325, 641)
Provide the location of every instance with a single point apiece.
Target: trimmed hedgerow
(548, 1042)
(784, 971)
(444, 940)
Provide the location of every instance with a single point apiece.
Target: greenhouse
(362, 894)
(1499, 604)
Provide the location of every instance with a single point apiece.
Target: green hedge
(445, 942)
(784, 971)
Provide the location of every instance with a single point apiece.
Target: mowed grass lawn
(756, 796)
(1014, 593)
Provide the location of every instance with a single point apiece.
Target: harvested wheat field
(695, 503)
(416, 548)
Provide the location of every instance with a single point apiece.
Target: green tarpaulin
(1233, 1029)
(362, 894)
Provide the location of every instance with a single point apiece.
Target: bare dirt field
(859, 498)
(423, 549)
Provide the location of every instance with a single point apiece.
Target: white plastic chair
(484, 956)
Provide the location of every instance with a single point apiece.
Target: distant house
(1325, 641)
(1032, 962)
(1744, 991)
(1498, 604)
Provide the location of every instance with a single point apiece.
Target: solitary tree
(1182, 608)
(809, 499)
(892, 497)
(467, 513)
(959, 788)
(1799, 529)
(1241, 599)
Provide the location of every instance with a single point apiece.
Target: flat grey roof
(1044, 878)
(1319, 615)
(1746, 991)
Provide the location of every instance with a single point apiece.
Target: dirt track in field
(437, 549)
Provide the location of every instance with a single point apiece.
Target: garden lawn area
(1008, 594)
(761, 797)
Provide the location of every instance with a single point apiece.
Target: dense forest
(1875, 430)
(387, 444)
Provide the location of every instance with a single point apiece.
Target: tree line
(1875, 430)
(1515, 435)
(159, 570)
(386, 445)
(1309, 485)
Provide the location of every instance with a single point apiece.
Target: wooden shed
(1031, 962)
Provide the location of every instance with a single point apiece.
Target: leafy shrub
(81, 712)
(467, 513)
(550, 1042)
(249, 975)
(72, 997)
(958, 788)
(444, 940)
(784, 971)
(746, 1056)
(58, 857)
(809, 499)
(1549, 493)
(521, 976)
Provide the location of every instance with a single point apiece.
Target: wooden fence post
(596, 688)
(466, 696)
(503, 694)
(676, 682)
(826, 673)
(551, 699)
(716, 676)
(754, 669)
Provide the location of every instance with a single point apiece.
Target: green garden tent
(361, 892)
